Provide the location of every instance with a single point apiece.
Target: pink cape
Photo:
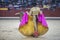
(40, 19)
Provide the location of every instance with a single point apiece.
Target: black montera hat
(34, 4)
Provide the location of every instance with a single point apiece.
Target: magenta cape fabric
(24, 19)
(40, 19)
